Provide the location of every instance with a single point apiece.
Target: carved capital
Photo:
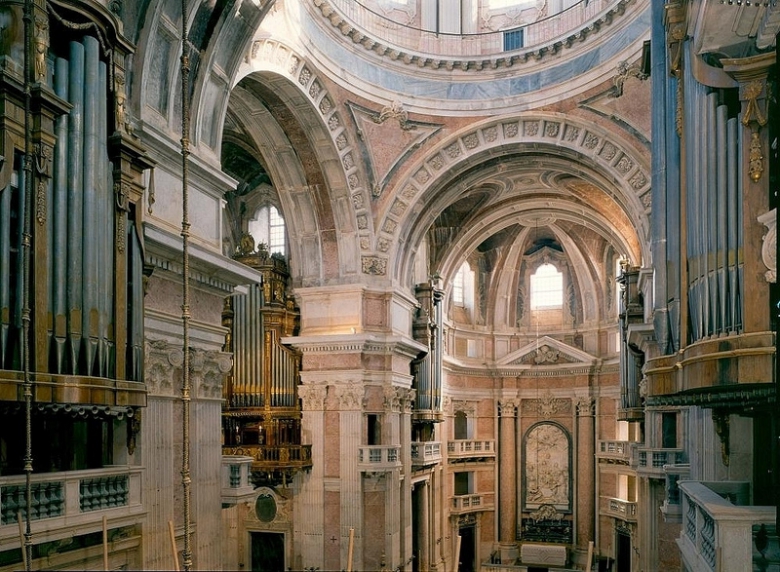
(312, 397)
(208, 370)
(507, 408)
(162, 367)
(350, 396)
(586, 406)
(393, 396)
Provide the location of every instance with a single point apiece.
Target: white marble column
(350, 402)
(507, 491)
(308, 522)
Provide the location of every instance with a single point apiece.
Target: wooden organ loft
(262, 416)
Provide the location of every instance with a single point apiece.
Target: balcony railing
(236, 482)
(426, 453)
(470, 449)
(378, 458)
(76, 500)
(471, 503)
(616, 451)
(651, 461)
(534, 34)
(618, 508)
(269, 457)
(717, 534)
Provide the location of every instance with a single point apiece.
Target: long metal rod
(185, 306)
(26, 258)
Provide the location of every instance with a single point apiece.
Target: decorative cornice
(499, 60)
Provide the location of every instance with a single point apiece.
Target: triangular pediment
(547, 351)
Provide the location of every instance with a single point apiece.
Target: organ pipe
(59, 276)
(90, 288)
(75, 205)
(713, 217)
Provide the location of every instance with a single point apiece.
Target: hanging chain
(185, 306)
(26, 258)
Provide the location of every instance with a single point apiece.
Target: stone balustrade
(616, 451)
(426, 453)
(236, 483)
(618, 508)
(651, 461)
(75, 501)
(379, 458)
(462, 504)
(717, 534)
(470, 449)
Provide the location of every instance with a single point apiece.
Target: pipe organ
(71, 174)
(84, 173)
(427, 368)
(262, 417)
(714, 212)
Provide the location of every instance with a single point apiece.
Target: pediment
(547, 351)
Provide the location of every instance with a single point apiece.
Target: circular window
(265, 508)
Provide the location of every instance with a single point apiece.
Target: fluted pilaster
(507, 486)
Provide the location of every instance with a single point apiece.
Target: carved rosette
(312, 397)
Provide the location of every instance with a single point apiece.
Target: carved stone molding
(556, 131)
(162, 367)
(531, 55)
(468, 407)
(768, 246)
(586, 406)
(209, 369)
(274, 55)
(548, 405)
(625, 71)
(507, 408)
(350, 396)
(392, 401)
(408, 397)
(312, 397)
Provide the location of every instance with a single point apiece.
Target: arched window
(463, 287)
(546, 288)
(457, 288)
(267, 227)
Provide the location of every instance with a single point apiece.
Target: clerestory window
(268, 227)
(546, 288)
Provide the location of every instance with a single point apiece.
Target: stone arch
(347, 188)
(619, 170)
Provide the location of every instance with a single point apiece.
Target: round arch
(604, 159)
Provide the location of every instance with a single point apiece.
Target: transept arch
(604, 169)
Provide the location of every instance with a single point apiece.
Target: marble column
(507, 492)
(585, 467)
(309, 502)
